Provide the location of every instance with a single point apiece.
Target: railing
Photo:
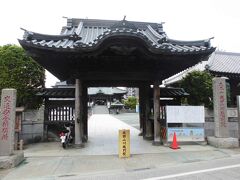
(59, 112)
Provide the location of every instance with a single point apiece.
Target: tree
(19, 71)
(199, 85)
(130, 102)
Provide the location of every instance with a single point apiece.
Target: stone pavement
(99, 156)
(100, 109)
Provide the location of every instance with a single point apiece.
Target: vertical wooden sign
(124, 143)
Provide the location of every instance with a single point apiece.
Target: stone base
(7, 162)
(157, 143)
(223, 142)
(149, 138)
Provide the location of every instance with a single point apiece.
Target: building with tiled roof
(225, 64)
(221, 64)
(110, 53)
(90, 39)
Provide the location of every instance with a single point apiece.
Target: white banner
(186, 134)
(185, 114)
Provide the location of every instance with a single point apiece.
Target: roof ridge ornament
(28, 35)
(75, 37)
(123, 24)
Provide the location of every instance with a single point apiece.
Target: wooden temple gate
(107, 53)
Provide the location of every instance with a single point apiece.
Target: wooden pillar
(78, 109)
(141, 109)
(46, 119)
(85, 114)
(148, 123)
(156, 104)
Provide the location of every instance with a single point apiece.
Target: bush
(130, 102)
(199, 85)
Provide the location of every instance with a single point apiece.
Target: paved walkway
(103, 140)
(100, 109)
(49, 161)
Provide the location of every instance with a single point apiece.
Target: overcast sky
(184, 19)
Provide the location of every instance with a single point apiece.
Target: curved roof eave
(87, 35)
(163, 48)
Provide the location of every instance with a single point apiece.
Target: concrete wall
(32, 126)
(232, 119)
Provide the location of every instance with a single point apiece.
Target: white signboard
(185, 114)
(232, 112)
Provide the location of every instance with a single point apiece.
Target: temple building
(219, 64)
(109, 53)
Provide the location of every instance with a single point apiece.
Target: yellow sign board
(124, 143)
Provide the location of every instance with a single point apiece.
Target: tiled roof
(70, 92)
(106, 91)
(219, 63)
(179, 76)
(57, 92)
(224, 62)
(172, 92)
(88, 34)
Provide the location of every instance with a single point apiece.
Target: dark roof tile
(79, 33)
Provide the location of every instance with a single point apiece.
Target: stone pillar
(7, 121)
(221, 138)
(220, 108)
(238, 107)
(78, 119)
(156, 104)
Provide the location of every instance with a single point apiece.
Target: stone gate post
(221, 131)
(7, 121)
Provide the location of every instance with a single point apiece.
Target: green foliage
(19, 71)
(199, 85)
(130, 102)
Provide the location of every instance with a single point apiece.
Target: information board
(185, 114)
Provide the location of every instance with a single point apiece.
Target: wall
(232, 119)
(32, 126)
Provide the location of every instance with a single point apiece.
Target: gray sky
(184, 19)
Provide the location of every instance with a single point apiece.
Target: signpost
(220, 107)
(124, 143)
(7, 121)
(222, 138)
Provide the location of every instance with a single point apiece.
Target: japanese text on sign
(221, 90)
(124, 143)
(6, 117)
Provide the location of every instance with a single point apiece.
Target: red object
(61, 134)
(174, 143)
